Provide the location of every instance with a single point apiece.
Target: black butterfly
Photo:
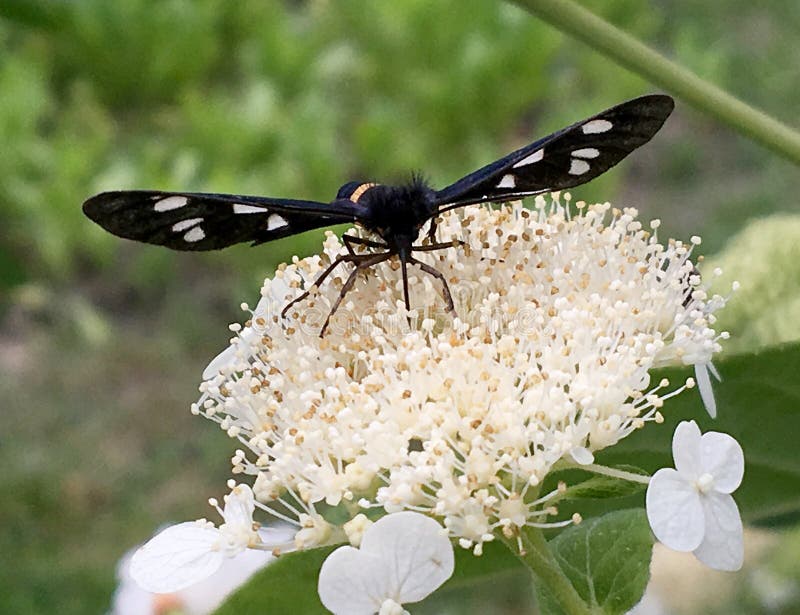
(393, 214)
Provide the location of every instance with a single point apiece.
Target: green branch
(538, 558)
(570, 17)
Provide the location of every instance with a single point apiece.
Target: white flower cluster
(562, 311)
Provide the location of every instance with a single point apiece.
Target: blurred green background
(102, 341)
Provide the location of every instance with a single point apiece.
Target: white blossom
(184, 554)
(562, 312)
(200, 598)
(403, 557)
(690, 508)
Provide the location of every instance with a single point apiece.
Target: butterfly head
(395, 213)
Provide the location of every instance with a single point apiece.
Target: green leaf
(607, 559)
(758, 403)
(495, 582)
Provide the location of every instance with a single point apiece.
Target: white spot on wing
(586, 152)
(578, 167)
(171, 202)
(195, 234)
(275, 222)
(530, 159)
(507, 182)
(181, 226)
(241, 208)
(593, 127)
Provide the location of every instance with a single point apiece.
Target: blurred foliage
(102, 341)
(763, 258)
(248, 97)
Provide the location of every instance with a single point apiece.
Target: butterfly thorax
(394, 213)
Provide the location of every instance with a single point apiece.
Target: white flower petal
(177, 557)
(403, 557)
(353, 583)
(281, 536)
(218, 362)
(418, 549)
(723, 458)
(705, 388)
(686, 449)
(582, 455)
(674, 511)
(239, 506)
(722, 547)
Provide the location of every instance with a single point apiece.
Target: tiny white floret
(690, 508)
(403, 558)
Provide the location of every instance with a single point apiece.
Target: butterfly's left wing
(564, 159)
(198, 221)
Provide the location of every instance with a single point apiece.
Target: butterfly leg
(432, 230)
(362, 265)
(448, 298)
(438, 246)
(354, 258)
(404, 260)
(349, 241)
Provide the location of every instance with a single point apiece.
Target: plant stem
(572, 18)
(538, 558)
(614, 473)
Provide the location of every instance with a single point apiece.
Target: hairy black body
(395, 215)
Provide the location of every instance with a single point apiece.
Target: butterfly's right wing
(199, 221)
(564, 159)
